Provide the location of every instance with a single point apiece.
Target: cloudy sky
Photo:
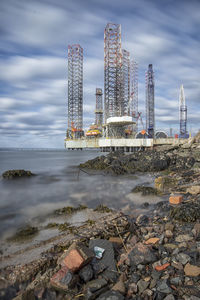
(33, 61)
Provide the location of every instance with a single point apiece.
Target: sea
(58, 183)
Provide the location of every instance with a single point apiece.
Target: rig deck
(115, 144)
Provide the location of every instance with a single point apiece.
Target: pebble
(142, 285)
(183, 238)
(191, 270)
(111, 295)
(163, 287)
(183, 258)
(169, 297)
(120, 287)
(169, 234)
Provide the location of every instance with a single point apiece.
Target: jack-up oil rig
(116, 124)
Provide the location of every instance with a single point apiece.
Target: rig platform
(119, 144)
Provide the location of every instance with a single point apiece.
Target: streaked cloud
(33, 61)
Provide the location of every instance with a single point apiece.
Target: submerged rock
(145, 190)
(12, 174)
(24, 233)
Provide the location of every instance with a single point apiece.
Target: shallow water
(59, 183)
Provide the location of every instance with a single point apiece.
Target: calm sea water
(59, 183)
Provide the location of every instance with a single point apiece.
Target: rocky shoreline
(153, 256)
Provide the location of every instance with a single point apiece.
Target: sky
(35, 35)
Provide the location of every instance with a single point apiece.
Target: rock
(163, 287)
(183, 258)
(183, 238)
(169, 297)
(145, 205)
(108, 259)
(193, 190)
(142, 285)
(120, 287)
(96, 284)
(145, 190)
(86, 273)
(170, 246)
(111, 295)
(148, 293)
(175, 199)
(176, 281)
(189, 143)
(141, 254)
(169, 226)
(135, 277)
(191, 270)
(24, 233)
(177, 265)
(77, 256)
(49, 295)
(197, 229)
(164, 183)
(152, 283)
(168, 233)
(63, 279)
(14, 174)
(132, 289)
(186, 212)
(152, 241)
(142, 220)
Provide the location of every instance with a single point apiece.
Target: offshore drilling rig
(116, 122)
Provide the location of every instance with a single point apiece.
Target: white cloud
(33, 78)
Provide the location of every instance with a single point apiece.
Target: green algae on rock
(24, 233)
(187, 212)
(145, 190)
(103, 209)
(69, 210)
(14, 174)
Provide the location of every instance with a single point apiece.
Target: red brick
(152, 241)
(63, 279)
(76, 257)
(175, 199)
(73, 261)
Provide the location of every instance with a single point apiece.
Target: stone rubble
(154, 256)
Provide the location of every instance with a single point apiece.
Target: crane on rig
(137, 115)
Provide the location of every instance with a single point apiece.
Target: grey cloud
(35, 35)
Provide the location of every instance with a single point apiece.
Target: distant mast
(150, 116)
(182, 114)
